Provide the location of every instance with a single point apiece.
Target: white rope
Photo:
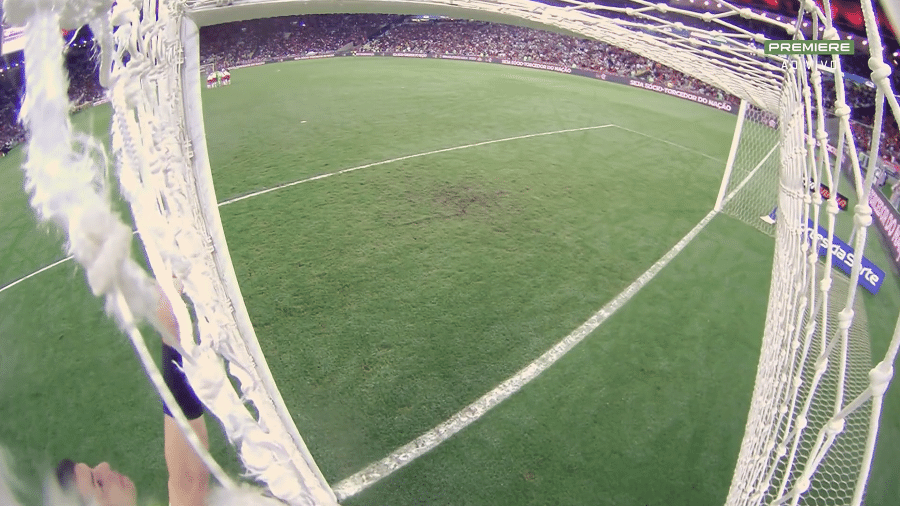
(182, 236)
(68, 189)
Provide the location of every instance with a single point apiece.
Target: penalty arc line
(407, 157)
(431, 439)
(343, 171)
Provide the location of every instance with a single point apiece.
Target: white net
(816, 404)
(168, 186)
(750, 186)
(207, 70)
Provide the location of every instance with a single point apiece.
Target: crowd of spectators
(890, 137)
(244, 42)
(861, 99)
(84, 88)
(248, 42)
(84, 82)
(11, 133)
(476, 38)
(858, 95)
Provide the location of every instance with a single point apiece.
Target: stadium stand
(257, 41)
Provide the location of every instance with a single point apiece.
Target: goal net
(749, 187)
(816, 404)
(206, 70)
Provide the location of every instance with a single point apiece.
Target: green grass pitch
(388, 298)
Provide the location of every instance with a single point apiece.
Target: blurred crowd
(249, 42)
(477, 38)
(84, 88)
(861, 99)
(245, 42)
(890, 138)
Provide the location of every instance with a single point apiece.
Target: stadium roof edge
(206, 14)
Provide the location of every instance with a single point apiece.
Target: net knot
(845, 317)
(816, 77)
(821, 136)
(879, 377)
(835, 427)
(661, 7)
(810, 6)
(746, 13)
(842, 110)
(863, 215)
(832, 206)
(880, 70)
(830, 33)
(109, 242)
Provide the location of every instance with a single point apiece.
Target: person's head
(99, 485)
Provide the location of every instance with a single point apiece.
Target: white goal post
(816, 404)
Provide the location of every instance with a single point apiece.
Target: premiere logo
(785, 47)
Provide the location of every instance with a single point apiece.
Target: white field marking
(35, 273)
(670, 143)
(431, 439)
(42, 269)
(407, 157)
(323, 176)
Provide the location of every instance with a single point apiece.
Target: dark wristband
(178, 384)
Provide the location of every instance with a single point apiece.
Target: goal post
(748, 188)
(729, 163)
(206, 69)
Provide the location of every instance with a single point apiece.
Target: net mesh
(206, 70)
(816, 402)
(796, 410)
(751, 189)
